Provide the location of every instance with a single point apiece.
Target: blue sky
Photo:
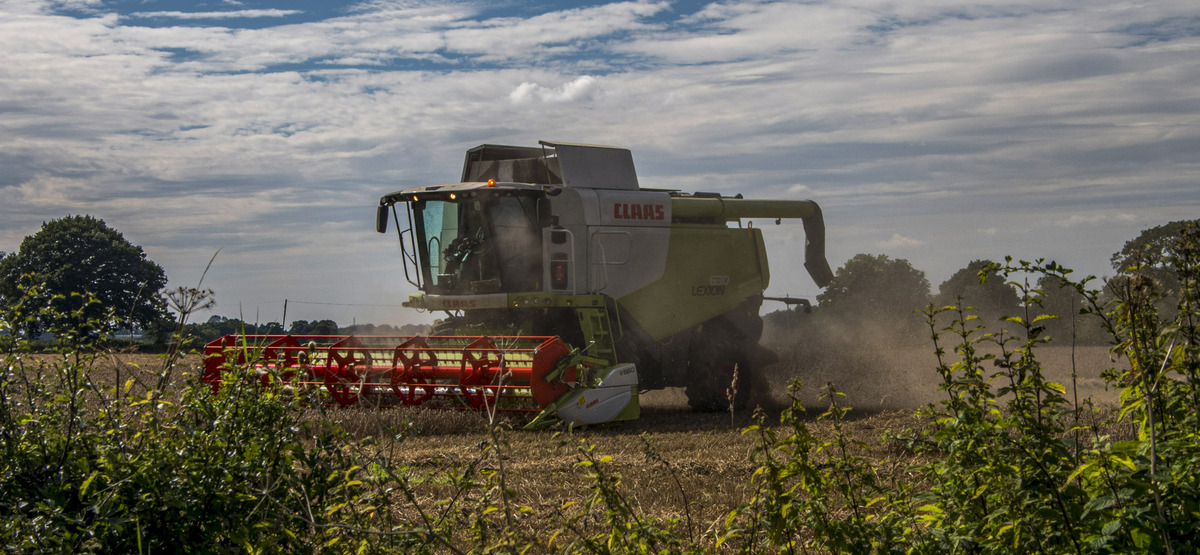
(934, 131)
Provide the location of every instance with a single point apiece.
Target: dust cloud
(883, 365)
(888, 365)
(878, 365)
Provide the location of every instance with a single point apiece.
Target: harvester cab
(567, 289)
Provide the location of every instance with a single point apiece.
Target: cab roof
(578, 165)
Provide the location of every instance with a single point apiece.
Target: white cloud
(217, 15)
(736, 31)
(584, 87)
(1094, 219)
(898, 241)
(42, 192)
(550, 33)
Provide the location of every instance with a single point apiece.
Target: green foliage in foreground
(1017, 463)
(87, 469)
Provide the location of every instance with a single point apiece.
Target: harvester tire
(720, 375)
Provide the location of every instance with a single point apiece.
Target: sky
(264, 132)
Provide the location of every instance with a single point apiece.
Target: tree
(1154, 245)
(1149, 254)
(1065, 303)
(992, 300)
(72, 260)
(874, 286)
(217, 326)
(315, 327)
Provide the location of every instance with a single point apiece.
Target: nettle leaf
(1142, 539)
(83, 488)
(1127, 448)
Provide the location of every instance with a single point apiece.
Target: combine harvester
(567, 288)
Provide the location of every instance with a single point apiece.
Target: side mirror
(381, 218)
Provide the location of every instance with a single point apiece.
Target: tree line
(218, 326)
(79, 277)
(882, 289)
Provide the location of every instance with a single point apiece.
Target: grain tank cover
(553, 163)
(595, 166)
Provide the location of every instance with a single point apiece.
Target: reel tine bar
(439, 371)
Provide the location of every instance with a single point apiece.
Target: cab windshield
(478, 246)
